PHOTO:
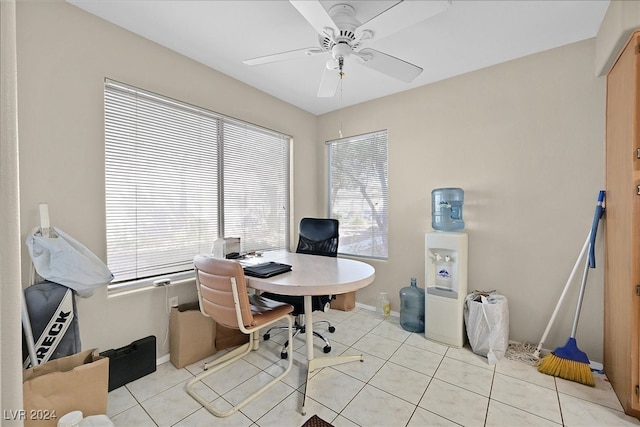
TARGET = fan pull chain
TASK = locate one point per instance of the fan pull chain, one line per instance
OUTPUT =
(340, 113)
(340, 117)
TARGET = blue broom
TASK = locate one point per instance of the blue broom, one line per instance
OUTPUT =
(569, 362)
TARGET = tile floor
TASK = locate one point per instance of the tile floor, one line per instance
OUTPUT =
(405, 380)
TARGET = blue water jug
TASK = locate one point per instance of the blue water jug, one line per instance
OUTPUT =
(446, 209)
(412, 308)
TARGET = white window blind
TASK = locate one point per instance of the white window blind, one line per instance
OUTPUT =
(178, 176)
(358, 193)
(256, 190)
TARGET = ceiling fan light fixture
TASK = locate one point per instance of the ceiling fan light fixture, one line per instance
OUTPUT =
(341, 50)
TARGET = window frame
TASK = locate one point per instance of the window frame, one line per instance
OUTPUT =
(371, 137)
(284, 184)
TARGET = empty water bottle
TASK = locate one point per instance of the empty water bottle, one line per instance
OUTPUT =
(412, 307)
(383, 307)
(446, 209)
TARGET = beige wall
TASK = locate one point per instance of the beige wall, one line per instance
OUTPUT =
(525, 140)
(621, 19)
(64, 54)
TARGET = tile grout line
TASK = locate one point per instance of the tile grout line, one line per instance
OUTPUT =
(385, 362)
(555, 382)
(486, 414)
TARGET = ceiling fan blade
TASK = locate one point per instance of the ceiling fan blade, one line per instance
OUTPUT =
(329, 83)
(402, 15)
(315, 14)
(389, 65)
(283, 56)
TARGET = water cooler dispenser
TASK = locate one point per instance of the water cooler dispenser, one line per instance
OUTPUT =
(446, 254)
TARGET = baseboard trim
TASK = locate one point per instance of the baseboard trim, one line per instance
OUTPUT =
(596, 366)
(372, 308)
(162, 359)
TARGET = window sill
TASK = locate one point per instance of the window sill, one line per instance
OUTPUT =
(145, 285)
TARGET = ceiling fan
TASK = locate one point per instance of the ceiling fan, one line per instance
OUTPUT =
(341, 35)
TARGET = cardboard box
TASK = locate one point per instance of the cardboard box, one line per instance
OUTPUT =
(226, 337)
(344, 302)
(192, 335)
(74, 383)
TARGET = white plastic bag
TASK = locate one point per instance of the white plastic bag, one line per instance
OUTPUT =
(487, 323)
(61, 259)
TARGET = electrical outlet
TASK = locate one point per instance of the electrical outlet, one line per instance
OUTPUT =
(173, 302)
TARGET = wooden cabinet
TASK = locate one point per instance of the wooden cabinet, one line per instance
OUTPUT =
(622, 227)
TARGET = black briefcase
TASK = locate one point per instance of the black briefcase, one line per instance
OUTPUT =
(131, 362)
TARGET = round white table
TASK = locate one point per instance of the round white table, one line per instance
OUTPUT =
(313, 275)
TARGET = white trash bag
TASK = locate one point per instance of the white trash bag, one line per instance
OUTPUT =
(59, 258)
(486, 316)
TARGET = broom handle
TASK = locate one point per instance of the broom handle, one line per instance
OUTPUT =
(28, 332)
(580, 296)
(536, 353)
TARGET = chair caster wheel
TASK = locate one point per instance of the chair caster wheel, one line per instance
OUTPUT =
(266, 337)
(284, 355)
(332, 329)
(327, 348)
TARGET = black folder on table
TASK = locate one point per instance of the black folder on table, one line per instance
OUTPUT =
(267, 269)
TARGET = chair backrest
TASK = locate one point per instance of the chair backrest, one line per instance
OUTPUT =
(318, 236)
(214, 278)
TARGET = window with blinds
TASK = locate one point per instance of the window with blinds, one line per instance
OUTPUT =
(358, 193)
(178, 176)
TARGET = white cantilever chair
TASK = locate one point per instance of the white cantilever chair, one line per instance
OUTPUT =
(222, 292)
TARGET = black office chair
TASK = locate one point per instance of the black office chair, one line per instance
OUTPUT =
(318, 236)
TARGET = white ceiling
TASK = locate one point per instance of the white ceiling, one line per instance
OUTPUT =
(468, 36)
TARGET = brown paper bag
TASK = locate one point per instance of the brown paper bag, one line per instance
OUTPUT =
(73, 383)
(192, 335)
